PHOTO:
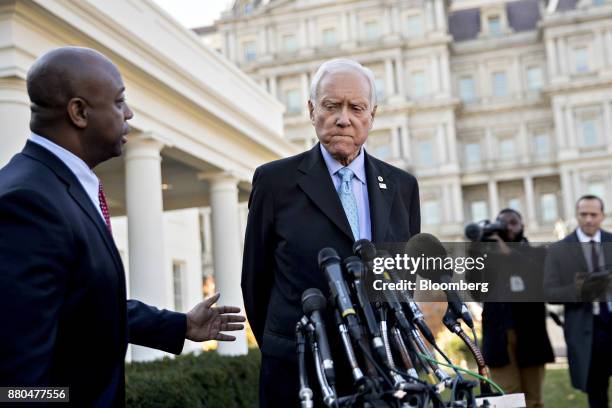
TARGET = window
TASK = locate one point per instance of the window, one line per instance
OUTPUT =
(506, 148)
(479, 210)
(371, 30)
(534, 78)
(414, 24)
(598, 2)
(472, 153)
(418, 84)
(466, 89)
(379, 83)
(289, 43)
(514, 203)
(177, 284)
(589, 133)
(499, 84)
(541, 145)
(597, 188)
(426, 157)
(329, 36)
(548, 203)
(293, 101)
(581, 62)
(431, 212)
(494, 24)
(380, 146)
(250, 50)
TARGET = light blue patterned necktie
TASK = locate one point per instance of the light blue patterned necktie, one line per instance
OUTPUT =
(349, 203)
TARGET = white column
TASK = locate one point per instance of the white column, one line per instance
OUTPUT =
(226, 251)
(442, 145)
(563, 57)
(344, 27)
(389, 82)
(435, 74)
(387, 24)
(353, 26)
(458, 202)
(395, 142)
(523, 144)
(493, 199)
(489, 146)
(303, 34)
(560, 126)
(445, 73)
(399, 72)
(440, 17)
(607, 117)
(429, 17)
(395, 20)
(568, 194)
(608, 44)
(529, 197)
(551, 56)
(273, 87)
(14, 117)
(451, 140)
(305, 91)
(570, 129)
(406, 143)
(150, 281)
(600, 52)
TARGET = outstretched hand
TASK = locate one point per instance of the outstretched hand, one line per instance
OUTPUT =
(206, 322)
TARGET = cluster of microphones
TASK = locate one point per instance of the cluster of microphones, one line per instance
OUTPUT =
(384, 342)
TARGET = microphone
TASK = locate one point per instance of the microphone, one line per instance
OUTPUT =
(354, 267)
(313, 303)
(329, 262)
(365, 250)
(427, 245)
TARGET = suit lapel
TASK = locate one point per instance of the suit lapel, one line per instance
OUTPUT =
(77, 193)
(576, 250)
(317, 184)
(606, 240)
(380, 194)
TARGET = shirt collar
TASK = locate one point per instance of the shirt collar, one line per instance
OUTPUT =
(357, 165)
(582, 237)
(79, 168)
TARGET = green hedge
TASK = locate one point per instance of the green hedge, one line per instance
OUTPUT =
(206, 380)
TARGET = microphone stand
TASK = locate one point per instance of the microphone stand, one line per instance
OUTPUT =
(305, 392)
(463, 390)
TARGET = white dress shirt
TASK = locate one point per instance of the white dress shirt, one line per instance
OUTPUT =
(87, 178)
(359, 186)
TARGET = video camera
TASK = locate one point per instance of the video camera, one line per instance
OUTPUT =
(482, 231)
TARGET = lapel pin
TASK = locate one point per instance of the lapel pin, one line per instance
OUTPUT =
(382, 185)
(380, 178)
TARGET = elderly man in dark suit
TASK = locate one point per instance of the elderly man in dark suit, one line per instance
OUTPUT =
(64, 317)
(331, 195)
(571, 266)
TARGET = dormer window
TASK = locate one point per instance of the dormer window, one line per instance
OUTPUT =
(494, 26)
(493, 21)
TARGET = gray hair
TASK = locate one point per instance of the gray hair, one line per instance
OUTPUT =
(337, 65)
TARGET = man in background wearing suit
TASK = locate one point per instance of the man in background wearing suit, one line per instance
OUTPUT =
(64, 318)
(329, 196)
(570, 268)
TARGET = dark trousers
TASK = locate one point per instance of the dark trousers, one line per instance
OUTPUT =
(600, 368)
(279, 382)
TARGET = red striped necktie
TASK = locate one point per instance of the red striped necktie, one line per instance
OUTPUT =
(104, 207)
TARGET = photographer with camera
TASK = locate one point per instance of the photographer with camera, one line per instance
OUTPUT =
(516, 346)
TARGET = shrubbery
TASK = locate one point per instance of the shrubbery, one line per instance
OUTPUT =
(207, 380)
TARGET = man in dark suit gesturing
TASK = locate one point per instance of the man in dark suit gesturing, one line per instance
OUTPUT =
(575, 274)
(64, 317)
(332, 195)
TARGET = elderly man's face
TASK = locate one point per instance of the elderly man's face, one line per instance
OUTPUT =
(343, 116)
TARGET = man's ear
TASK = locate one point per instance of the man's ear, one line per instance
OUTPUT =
(373, 114)
(311, 111)
(77, 112)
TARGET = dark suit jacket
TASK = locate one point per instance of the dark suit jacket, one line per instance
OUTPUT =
(565, 259)
(64, 316)
(294, 212)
